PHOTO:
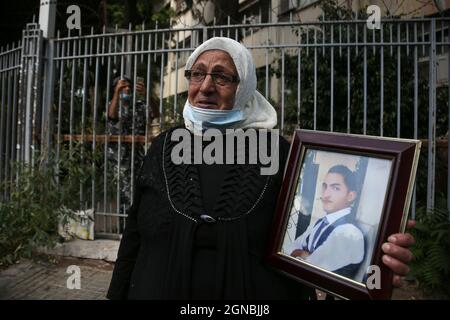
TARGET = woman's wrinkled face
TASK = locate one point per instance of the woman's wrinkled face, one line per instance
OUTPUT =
(210, 95)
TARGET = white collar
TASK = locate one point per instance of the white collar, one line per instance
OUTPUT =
(333, 217)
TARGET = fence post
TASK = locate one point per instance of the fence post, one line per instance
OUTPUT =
(448, 136)
(47, 15)
(432, 119)
(31, 96)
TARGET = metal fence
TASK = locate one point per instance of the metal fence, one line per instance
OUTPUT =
(329, 75)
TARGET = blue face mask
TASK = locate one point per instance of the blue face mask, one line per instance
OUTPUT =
(125, 97)
(210, 118)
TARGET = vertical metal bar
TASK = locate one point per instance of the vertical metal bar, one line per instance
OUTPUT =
(91, 44)
(33, 120)
(47, 114)
(115, 44)
(3, 111)
(133, 126)
(432, 119)
(79, 49)
(15, 140)
(315, 79)
(332, 81)
(72, 89)
(58, 138)
(94, 124)
(15, 107)
(323, 39)
(29, 98)
(348, 79)
(175, 98)
(373, 41)
(8, 116)
(28, 111)
(83, 114)
(282, 90)
(299, 85)
(106, 162)
(382, 47)
(448, 136)
(365, 83)
(15, 110)
(307, 41)
(68, 45)
(357, 38)
(20, 104)
(416, 109)
(4, 114)
(267, 73)
(103, 44)
(390, 32)
(142, 42)
(155, 47)
(161, 92)
(423, 38)
(407, 39)
(119, 147)
(37, 103)
(399, 81)
(149, 84)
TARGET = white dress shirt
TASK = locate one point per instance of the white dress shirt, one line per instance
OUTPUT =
(344, 245)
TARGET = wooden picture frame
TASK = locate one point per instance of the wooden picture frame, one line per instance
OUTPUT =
(363, 186)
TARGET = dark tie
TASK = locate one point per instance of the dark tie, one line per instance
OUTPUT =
(322, 225)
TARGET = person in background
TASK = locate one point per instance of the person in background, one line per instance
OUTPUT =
(123, 121)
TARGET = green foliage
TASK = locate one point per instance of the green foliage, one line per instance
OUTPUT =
(42, 195)
(163, 16)
(351, 59)
(116, 13)
(143, 11)
(431, 264)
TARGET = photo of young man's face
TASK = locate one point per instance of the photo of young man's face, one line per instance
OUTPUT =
(335, 193)
(336, 212)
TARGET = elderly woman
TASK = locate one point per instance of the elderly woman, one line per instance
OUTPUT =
(198, 231)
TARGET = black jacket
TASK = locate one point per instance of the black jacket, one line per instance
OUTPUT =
(169, 252)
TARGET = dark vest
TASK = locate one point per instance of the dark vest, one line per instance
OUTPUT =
(348, 270)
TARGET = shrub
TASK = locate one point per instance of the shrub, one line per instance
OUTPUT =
(431, 263)
(39, 197)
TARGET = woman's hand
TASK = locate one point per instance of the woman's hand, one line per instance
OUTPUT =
(397, 255)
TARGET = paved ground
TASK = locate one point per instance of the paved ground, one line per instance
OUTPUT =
(29, 280)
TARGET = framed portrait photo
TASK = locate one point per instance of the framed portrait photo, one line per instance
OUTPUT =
(342, 196)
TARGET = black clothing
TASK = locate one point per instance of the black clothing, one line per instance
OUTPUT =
(169, 252)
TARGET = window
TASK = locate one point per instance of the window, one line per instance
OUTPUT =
(256, 12)
(289, 5)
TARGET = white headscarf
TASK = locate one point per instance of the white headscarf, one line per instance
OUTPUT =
(257, 112)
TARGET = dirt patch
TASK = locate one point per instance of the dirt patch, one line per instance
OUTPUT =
(411, 291)
(97, 264)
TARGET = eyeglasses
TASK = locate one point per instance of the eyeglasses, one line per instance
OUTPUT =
(220, 78)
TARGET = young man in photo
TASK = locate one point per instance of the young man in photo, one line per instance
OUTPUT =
(334, 242)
